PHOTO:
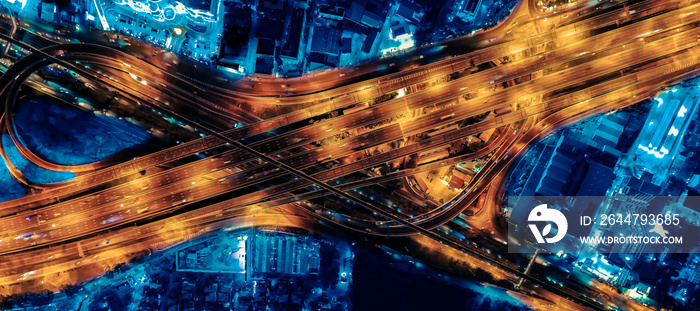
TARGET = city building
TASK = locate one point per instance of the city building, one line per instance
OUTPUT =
(331, 12)
(486, 135)
(204, 257)
(272, 9)
(459, 178)
(570, 171)
(659, 141)
(48, 11)
(264, 65)
(369, 41)
(371, 19)
(633, 186)
(290, 48)
(557, 168)
(607, 134)
(410, 12)
(691, 270)
(346, 45)
(266, 47)
(469, 10)
(269, 28)
(399, 30)
(283, 254)
(326, 40)
(369, 13)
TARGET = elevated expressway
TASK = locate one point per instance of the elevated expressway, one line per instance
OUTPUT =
(396, 81)
(430, 122)
(392, 82)
(397, 131)
(619, 51)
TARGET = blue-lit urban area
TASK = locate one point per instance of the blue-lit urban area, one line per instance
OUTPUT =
(349, 155)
